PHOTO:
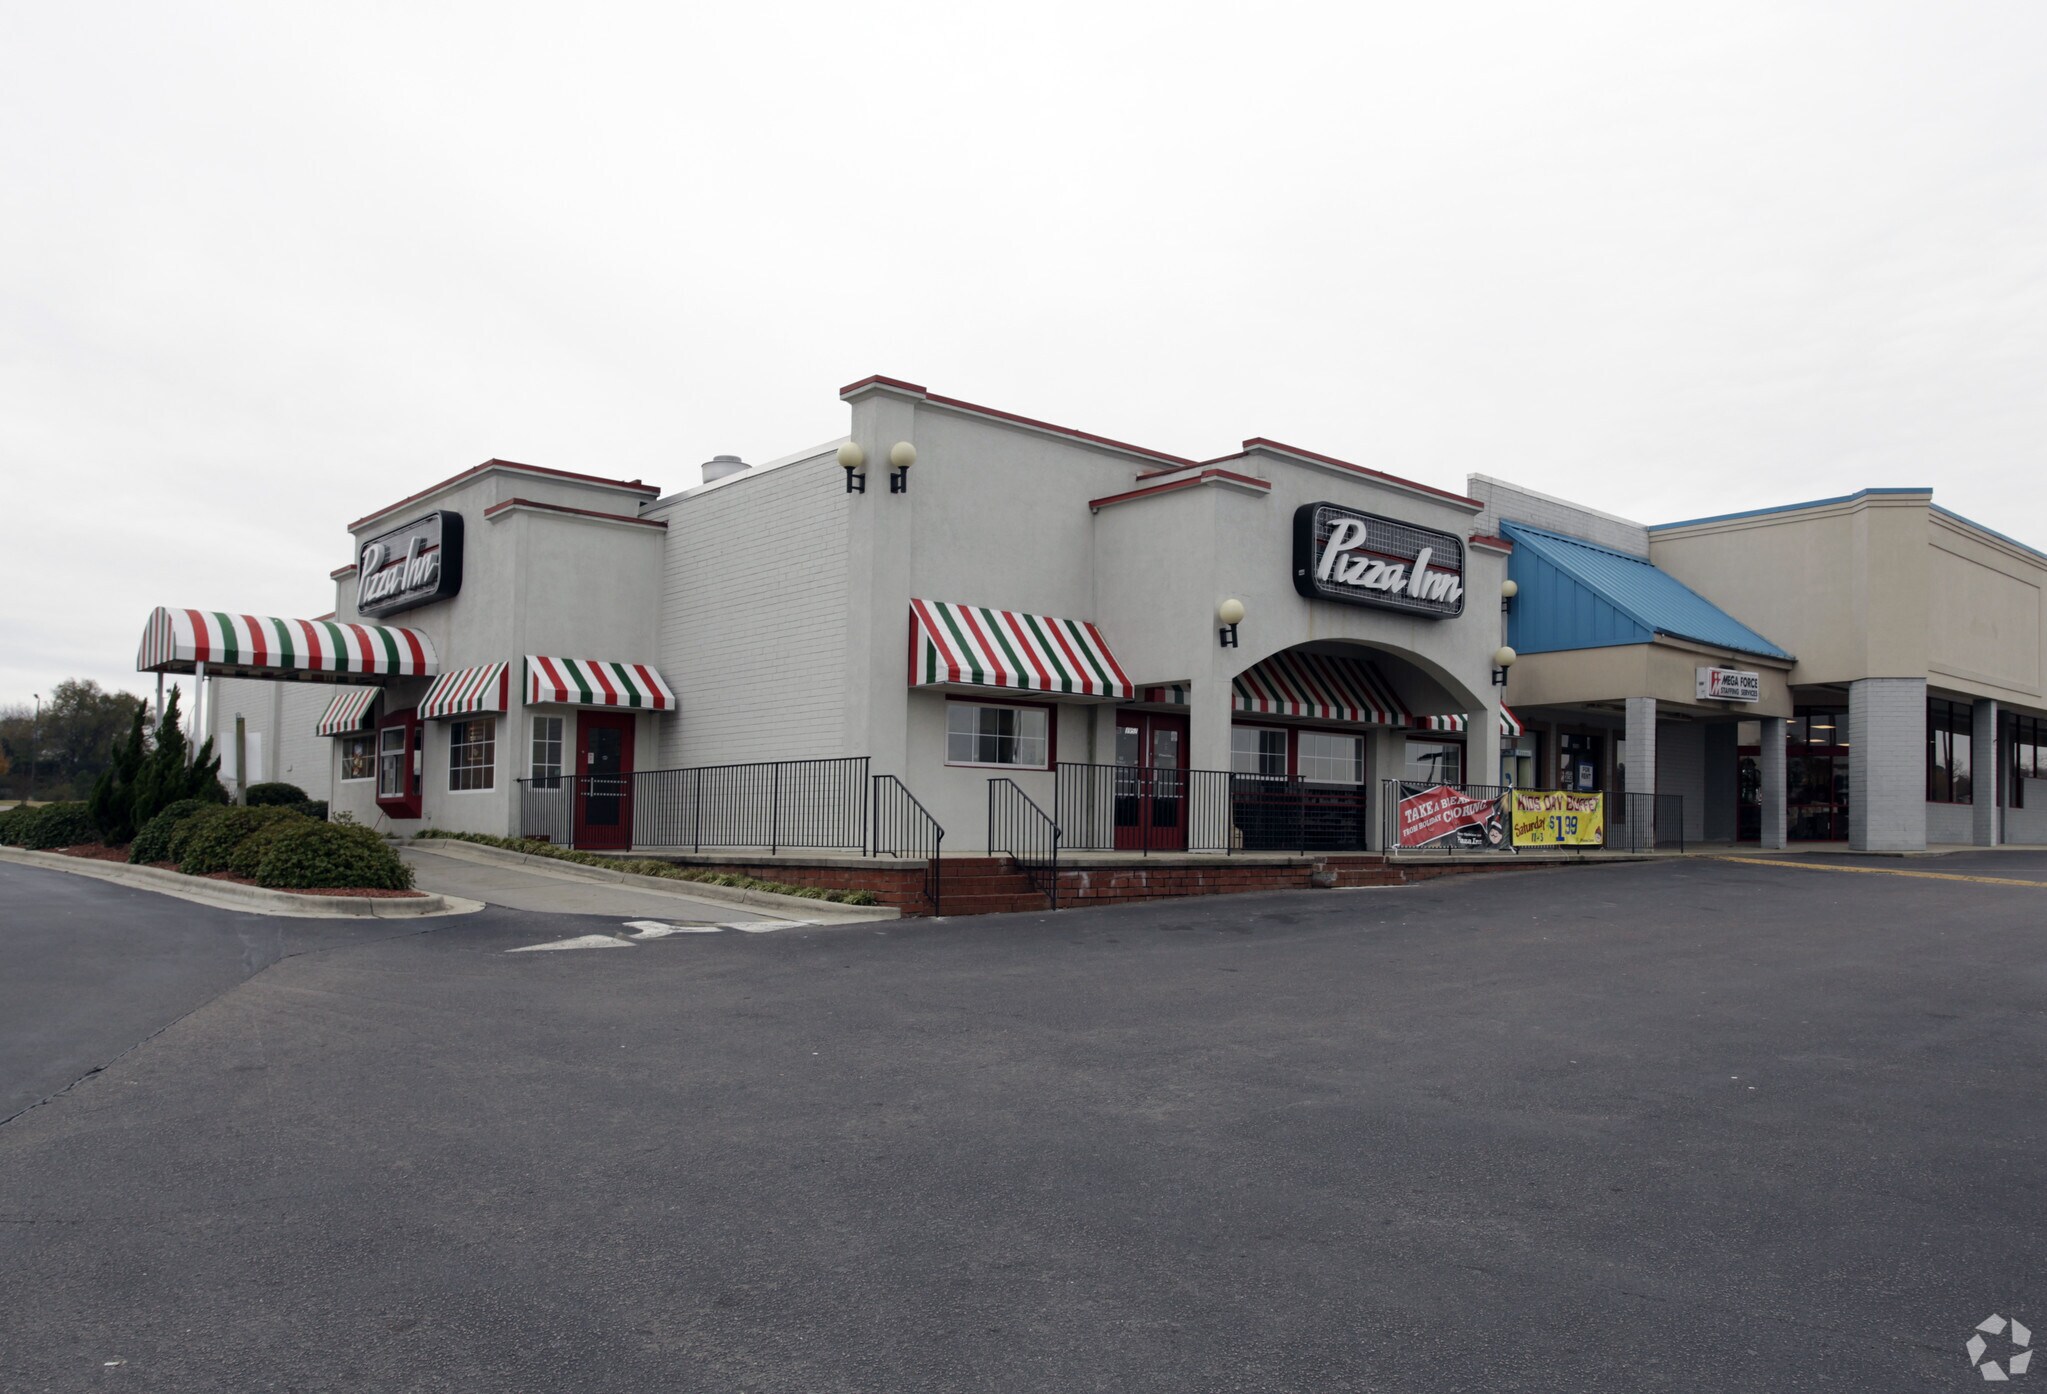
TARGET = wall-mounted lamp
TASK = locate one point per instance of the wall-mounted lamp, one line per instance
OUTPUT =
(1231, 613)
(1503, 659)
(853, 460)
(901, 456)
(1508, 590)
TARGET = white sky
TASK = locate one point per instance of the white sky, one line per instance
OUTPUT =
(266, 267)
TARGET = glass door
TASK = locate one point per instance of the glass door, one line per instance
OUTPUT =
(1151, 781)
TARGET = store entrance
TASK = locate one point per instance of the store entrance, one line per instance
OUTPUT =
(1816, 792)
(1151, 781)
(604, 784)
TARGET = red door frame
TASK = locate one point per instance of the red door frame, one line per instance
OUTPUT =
(1157, 820)
(407, 804)
(610, 793)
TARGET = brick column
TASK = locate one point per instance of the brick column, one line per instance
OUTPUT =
(1985, 773)
(1774, 768)
(1641, 772)
(1887, 764)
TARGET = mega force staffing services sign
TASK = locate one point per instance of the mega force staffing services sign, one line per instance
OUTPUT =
(1551, 818)
(1440, 812)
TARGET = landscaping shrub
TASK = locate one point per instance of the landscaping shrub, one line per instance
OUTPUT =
(274, 795)
(113, 795)
(247, 858)
(192, 825)
(212, 845)
(153, 841)
(315, 809)
(165, 777)
(11, 821)
(56, 825)
(644, 866)
(305, 854)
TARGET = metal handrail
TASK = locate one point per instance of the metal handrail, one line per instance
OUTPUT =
(769, 804)
(1026, 834)
(904, 827)
(1102, 808)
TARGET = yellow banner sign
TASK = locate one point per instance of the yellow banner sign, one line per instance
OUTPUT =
(1547, 818)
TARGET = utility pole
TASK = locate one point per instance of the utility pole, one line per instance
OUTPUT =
(35, 741)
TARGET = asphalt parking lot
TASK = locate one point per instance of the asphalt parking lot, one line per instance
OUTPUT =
(1701, 1125)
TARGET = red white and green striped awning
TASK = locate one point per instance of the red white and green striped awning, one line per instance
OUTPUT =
(467, 691)
(979, 647)
(257, 646)
(589, 682)
(1510, 724)
(1320, 687)
(1172, 694)
(349, 713)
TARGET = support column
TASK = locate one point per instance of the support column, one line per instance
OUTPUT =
(1641, 773)
(1208, 724)
(1774, 768)
(1986, 771)
(1887, 765)
(1482, 740)
(1385, 758)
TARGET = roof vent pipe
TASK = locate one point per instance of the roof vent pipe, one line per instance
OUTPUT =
(723, 467)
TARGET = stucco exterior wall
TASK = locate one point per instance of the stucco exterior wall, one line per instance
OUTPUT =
(1989, 638)
(1681, 770)
(1510, 503)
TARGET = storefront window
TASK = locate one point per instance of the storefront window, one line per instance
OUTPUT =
(1327, 758)
(1437, 762)
(472, 754)
(1578, 758)
(358, 756)
(547, 751)
(1259, 750)
(391, 783)
(2025, 740)
(987, 735)
(1948, 731)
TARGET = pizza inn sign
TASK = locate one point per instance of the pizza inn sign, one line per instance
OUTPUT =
(409, 566)
(1362, 559)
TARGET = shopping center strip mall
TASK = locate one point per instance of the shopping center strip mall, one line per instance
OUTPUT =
(1085, 667)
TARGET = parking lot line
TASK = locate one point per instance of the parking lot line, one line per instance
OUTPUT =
(1888, 871)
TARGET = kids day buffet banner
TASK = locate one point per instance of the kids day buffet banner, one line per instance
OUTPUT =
(1544, 818)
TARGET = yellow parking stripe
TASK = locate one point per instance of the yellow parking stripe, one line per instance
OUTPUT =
(1887, 871)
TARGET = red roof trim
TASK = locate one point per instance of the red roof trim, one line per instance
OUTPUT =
(631, 485)
(998, 414)
(498, 508)
(339, 572)
(1498, 544)
(328, 616)
(1191, 481)
(877, 380)
(1260, 442)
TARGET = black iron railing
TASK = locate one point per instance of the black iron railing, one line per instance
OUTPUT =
(1020, 830)
(902, 828)
(1422, 816)
(1109, 808)
(770, 804)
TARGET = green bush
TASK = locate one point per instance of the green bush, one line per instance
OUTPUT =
(192, 825)
(247, 858)
(211, 847)
(307, 855)
(274, 795)
(11, 823)
(644, 866)
(56, 825)
(153, 842)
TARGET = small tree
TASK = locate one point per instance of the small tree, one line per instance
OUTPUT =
(166, 777)
(113, 793)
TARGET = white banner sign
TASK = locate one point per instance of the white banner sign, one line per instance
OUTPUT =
(1730, 685)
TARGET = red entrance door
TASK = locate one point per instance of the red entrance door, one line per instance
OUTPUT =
(1151, 783)
(604, 783)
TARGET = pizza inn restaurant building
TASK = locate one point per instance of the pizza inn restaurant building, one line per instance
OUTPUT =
(958, 620)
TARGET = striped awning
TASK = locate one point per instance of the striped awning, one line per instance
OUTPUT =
(589, 682)
(257, 646)
(980, 647)
(1510, 724)
(467, 691)
(1172, 694)
(349, 713)
(1320, 687)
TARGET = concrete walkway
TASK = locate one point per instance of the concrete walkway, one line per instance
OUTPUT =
(536, 888)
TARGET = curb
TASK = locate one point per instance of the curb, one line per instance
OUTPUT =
(796, 906)
(252, 900)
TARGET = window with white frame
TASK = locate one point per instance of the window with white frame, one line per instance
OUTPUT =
(1259, 750)
(391, 772)
(359, 756)
(1438, 762)
(472, 753)
(976, 734)
(1327, 758)
(547, 751)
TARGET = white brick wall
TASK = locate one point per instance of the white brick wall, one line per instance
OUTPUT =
(1681, 769)
(1949, 824)
(1513, 504)
(754, 596)
(1887, 765)
(2028, 824)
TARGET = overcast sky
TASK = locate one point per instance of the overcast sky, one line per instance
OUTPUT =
(266, 267)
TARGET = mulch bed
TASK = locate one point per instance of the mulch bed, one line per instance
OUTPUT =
(92, 851)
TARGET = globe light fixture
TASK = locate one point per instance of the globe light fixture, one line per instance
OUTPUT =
(1503, 659)
(853, 460)
(1231, 613)
(901, 456)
